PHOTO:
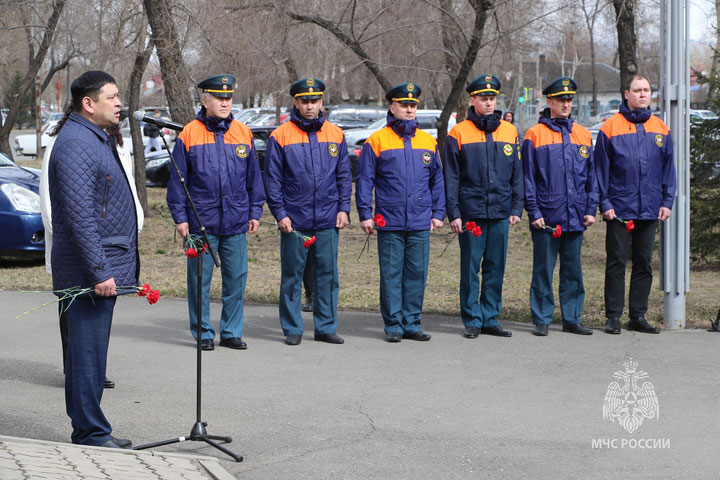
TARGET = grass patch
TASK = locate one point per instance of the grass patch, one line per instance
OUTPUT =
(163, 266)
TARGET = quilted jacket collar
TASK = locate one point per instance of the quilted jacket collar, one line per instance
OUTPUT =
(76, 117)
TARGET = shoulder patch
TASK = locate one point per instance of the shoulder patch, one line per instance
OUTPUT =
(584, 151)
(426, 158)
(508, 149)
(241, 151)
(659, 140)
(333, 149)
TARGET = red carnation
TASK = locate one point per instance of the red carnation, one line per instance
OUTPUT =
(191, 252)
(142, 291)
(153, 296)
(557, 231)
(629, 226)
(477, 231)
(379, 220)
(470, 226)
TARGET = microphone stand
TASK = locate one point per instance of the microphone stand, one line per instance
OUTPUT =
(198, 433)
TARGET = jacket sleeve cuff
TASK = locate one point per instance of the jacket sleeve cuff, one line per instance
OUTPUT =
(365, 214)
(606, 205)
(344, 206)
(439, 215)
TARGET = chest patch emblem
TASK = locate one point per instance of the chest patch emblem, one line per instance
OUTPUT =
(584, 152)
(659, 140)
(241, 151)
(426, 158)
(333, 149)
(508, 149)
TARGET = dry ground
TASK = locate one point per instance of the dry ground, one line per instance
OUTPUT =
(163, 266)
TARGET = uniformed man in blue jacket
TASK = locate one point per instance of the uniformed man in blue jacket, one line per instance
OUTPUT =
(483, 185)
(561, 200)
(400, 163)
(309, 187)
(216, 156)
(636, 179)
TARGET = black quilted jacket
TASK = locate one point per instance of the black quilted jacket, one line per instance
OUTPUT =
(93, 214)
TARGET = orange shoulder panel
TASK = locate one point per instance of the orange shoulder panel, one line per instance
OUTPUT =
(238, 133)
(540, 135)
(384, 139)
(423, 140)
(330, 133)
(617, 125)
(580, 135)
(288, 134)
(195, 133)
(506, 133)
(465, 133)
(655, 125)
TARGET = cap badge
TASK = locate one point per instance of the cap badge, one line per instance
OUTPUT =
(565, 82)
(224, 87)
(409, 95)
(224, 79)
(487, 85)
(310, 82)
(410, 87)
(310, 90)
(488, 78)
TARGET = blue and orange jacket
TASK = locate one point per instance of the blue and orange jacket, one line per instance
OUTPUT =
(307, 172)
(402, 165)
(634, 165)
(216, 157)
(560, 184)
(483, 173)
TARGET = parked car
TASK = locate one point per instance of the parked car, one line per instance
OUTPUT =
(269, 120)
(168, 134)
(700, 116)
(21, 224)
(157, 164)
(354, 116)
(427, 120)
(26, 144)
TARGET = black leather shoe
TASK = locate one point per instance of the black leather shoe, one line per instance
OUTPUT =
(112, 444)
(541, 330)
(329, 338)
(122, 442)
(497, 331)
(108, 383)
(419, 336)
(308, 305)
(612, 325)
(394, 337)
(471, 332)
(207, 344)
(576, 328)
(233, 342)
(641, 325)
(293, 339)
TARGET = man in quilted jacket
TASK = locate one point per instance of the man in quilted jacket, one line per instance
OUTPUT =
(95, 246)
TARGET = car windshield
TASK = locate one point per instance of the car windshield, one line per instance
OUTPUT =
(5, 161)
(706, 114)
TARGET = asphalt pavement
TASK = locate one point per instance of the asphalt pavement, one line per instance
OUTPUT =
(450, 408)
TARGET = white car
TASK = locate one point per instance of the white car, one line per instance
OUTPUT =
(27, 144)
(427, 120)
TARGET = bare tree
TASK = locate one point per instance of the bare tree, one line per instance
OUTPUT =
(141, 61)
(591, 10)
(627, 40)
(35, 62)
(174, 73)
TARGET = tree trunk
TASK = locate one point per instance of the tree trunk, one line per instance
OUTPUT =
(29, 79)
(627, 40)
(141, 61)
(481, 8)
(174, 74)
(712, 89)
(593, 69)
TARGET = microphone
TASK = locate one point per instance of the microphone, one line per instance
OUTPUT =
(141, 116)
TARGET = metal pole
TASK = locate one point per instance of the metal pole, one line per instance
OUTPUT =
(675, 232)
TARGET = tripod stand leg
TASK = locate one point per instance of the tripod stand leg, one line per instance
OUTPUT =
(236, 457)
(161, 443)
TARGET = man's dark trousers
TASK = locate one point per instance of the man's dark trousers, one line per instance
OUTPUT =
(89, 320)
(617, 244)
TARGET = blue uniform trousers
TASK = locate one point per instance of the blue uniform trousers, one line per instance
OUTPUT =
(488, 251)
(88, 320)
(571, 289)
(232, 250)
(403, 258)
(323, 255)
